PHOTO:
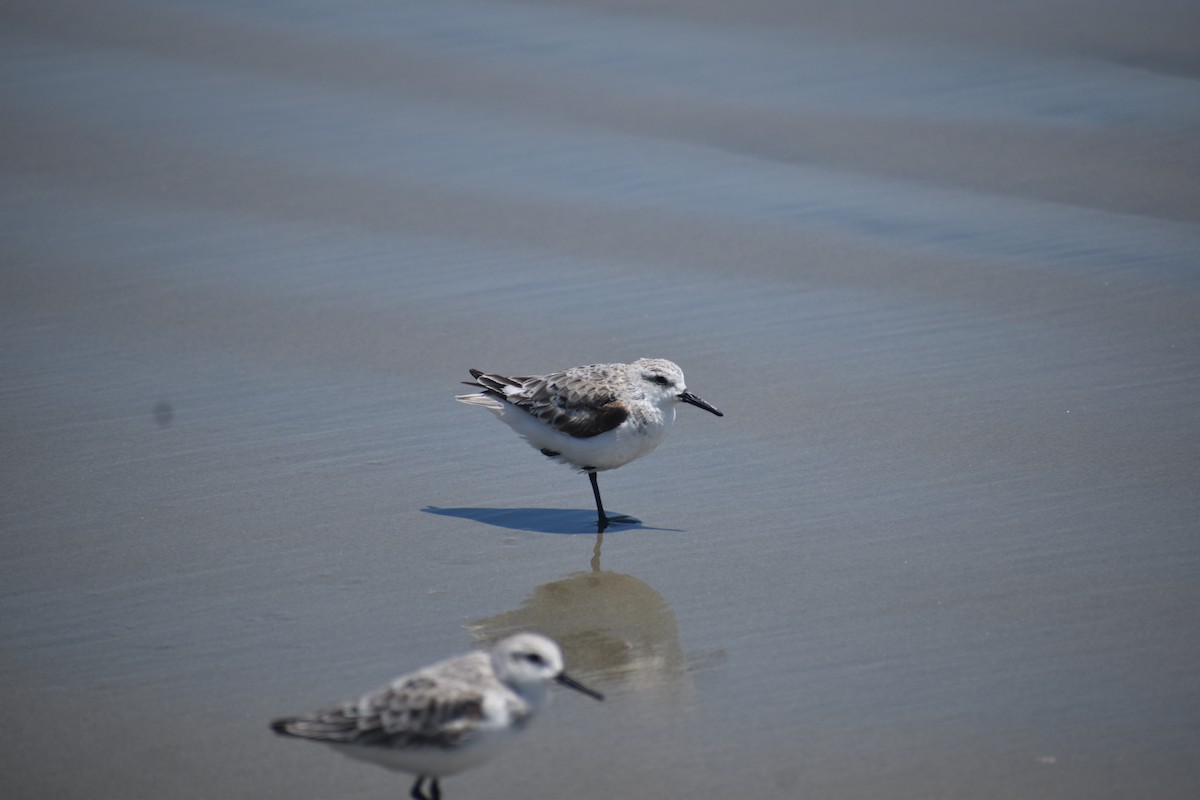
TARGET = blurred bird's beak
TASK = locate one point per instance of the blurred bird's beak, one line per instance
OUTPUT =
(568, 681)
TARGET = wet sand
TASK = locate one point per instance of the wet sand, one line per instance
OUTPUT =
(940, 269)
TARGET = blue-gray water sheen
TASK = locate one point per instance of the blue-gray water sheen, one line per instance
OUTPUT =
(937, 262)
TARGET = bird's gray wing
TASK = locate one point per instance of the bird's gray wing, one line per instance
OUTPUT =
(572, 401)
(418, 711)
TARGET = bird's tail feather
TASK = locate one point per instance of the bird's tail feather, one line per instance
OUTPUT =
(488, 401)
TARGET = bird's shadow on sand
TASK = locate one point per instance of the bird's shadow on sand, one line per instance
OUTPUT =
(540, 520)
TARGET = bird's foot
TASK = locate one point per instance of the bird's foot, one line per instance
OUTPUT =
(616, 519)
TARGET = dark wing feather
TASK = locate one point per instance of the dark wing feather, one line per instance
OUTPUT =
(493, 384)
(408, 714)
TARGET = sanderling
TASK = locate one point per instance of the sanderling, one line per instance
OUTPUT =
(445, 718)
(597, 417)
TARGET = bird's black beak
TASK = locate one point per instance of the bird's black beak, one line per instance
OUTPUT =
(567, 680)
(688, 397)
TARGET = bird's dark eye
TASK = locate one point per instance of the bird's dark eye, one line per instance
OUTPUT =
(661, 380)
(534, 658)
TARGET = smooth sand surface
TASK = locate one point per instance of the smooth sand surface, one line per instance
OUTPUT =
(939, 267)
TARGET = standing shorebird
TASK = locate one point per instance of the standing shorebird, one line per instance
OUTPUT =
(595, 418)
(445, 718)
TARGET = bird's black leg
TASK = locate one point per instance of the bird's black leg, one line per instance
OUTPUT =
(435, 789)
(602, 521)
(418, 794)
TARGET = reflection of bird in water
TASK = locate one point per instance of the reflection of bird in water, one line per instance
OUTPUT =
(445, 718)
(596, 418)
(613, 627)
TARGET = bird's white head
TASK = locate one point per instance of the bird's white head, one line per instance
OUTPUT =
(527, 662)
(663, 383)
(526, 659)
